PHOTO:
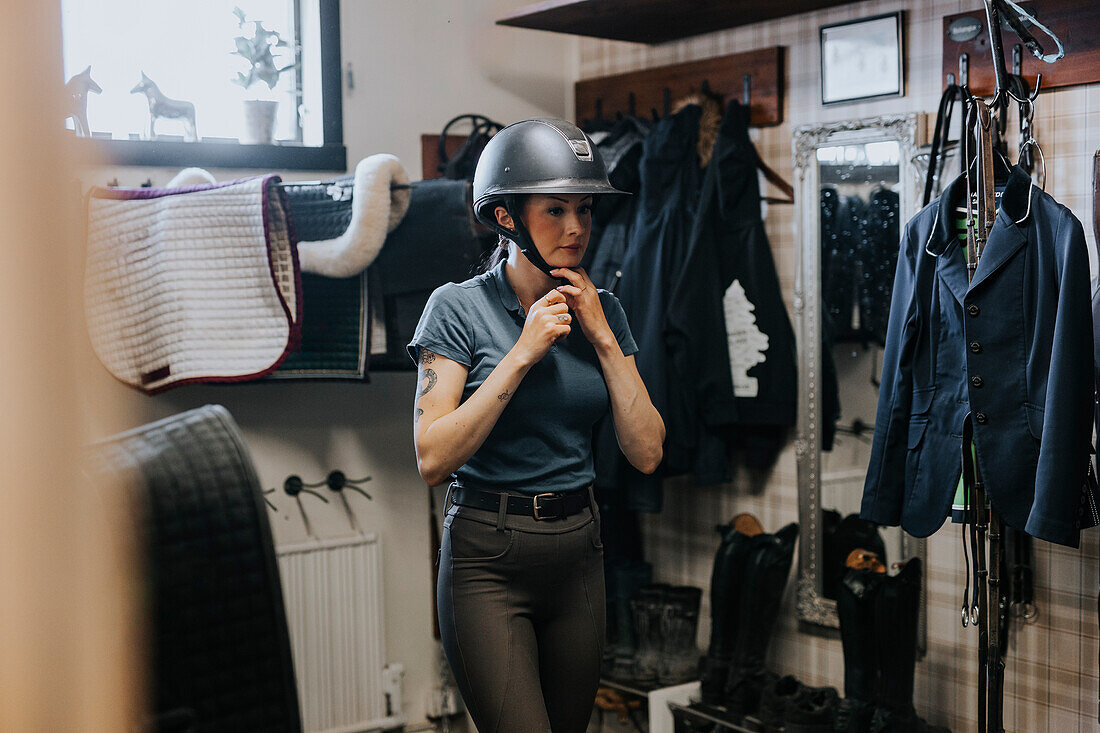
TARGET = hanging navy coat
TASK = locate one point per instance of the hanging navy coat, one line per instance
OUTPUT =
(669, 192)
(1013, 347)
(729, 336)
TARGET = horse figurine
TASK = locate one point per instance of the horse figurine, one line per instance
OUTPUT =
(79, 87)
(162, 106)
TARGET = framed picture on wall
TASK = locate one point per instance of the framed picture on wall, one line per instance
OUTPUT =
(862, 59)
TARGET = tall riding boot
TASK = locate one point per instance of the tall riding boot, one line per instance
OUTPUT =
(680, 656)
(624, 577)
(896, 615)
(855, 607)
(726, 588)
(648, 605)
(766, 571)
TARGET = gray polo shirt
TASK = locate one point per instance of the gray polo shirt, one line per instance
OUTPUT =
(543, 439)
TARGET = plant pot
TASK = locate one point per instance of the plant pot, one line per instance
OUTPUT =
(259, 122)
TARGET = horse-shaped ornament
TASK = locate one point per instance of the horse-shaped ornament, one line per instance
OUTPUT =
(78, 88)
(162, 106)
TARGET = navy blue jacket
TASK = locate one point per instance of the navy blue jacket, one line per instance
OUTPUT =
(1013, 347)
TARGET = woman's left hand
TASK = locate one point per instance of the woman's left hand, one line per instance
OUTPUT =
(582, 298)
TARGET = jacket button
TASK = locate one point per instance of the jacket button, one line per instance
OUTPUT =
(975, 347)
(981, 418)
(976, 382)
(973, 309)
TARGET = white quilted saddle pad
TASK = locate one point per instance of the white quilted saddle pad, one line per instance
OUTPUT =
(191, 284)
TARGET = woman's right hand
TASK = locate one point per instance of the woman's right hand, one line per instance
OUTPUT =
(547, 323)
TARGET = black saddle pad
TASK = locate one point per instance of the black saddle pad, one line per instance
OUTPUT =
(221, 659)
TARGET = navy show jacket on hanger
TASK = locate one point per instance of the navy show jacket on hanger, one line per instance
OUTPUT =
(1014, 348)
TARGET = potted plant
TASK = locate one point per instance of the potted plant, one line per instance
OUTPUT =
(259, 114)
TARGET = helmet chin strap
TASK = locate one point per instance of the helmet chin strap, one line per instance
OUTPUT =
(523, 240)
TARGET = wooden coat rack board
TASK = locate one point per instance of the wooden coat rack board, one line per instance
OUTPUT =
(1075, 22)
(640, 92)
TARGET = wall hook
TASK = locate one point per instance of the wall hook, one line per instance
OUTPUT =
(668, 101)
(746, 90)
(630, 104)
(293, 486)
(337, 481)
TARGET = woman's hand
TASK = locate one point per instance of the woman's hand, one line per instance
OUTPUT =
(547, 323)
(582, 298)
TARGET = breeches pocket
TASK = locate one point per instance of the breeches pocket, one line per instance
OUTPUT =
(469, 541)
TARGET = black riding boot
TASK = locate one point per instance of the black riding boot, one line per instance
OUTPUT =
(727, 586)
(896, 614)
(855, 607)
(766, 571)
(624, 577)
(679, 655)
(648, 605)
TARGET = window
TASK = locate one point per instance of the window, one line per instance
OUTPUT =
(179, 59)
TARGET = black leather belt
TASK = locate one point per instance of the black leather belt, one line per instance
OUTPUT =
(539, 506)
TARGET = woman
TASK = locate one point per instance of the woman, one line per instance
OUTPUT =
(515, 366)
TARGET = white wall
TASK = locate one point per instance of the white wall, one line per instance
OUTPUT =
(415, 65)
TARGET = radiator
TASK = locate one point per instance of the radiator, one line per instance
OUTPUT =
(333, 595)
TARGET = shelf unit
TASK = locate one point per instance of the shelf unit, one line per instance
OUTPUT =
(725, 724)
(658, 700)
(654, 21)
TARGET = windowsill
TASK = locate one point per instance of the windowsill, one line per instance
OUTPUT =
(162, 153)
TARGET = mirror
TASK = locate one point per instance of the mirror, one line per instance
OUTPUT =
(858, 186)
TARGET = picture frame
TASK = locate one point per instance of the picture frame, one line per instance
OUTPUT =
(863, 59)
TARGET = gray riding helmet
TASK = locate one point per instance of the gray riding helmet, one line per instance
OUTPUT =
(541, 155)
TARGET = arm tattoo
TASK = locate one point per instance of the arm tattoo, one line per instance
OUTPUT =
(416, 418)
(504, 395)
(430, 375)
(426, 357)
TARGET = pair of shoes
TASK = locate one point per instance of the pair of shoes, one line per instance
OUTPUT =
(666, 619)
(747, 585)
(878, 632)
(791, 707)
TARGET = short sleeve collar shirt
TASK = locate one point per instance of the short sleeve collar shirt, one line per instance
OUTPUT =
(543, 438)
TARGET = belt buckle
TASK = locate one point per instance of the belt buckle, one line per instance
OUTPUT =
(535, 505)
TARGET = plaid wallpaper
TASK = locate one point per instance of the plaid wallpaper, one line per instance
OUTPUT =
(1051, 678)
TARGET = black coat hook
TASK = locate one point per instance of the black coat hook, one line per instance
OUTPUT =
(630, 104)
(668, 101)
(337, 481)
(704, 88)
(293, 486)
(599, 109)
(746, 90)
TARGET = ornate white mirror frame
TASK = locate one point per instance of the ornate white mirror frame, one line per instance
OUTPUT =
(813, 606)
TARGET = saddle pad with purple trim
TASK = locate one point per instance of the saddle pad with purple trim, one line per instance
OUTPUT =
(192, 284)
